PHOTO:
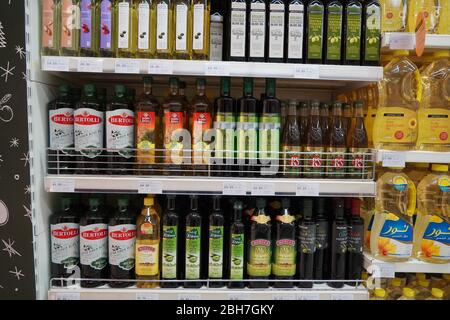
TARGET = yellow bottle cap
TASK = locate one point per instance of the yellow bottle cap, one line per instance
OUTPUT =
(439, 167)
(149, 201)
(396, 282)
(398, 53)
(419, 165)
(441, 54)
(409, 293)
(437, 293)
(364, 276)
(380, 292)
(421, 276)
(424, 283)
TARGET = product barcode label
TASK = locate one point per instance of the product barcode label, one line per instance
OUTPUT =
(394, 159)
(307, 72)
(307, 190)
(68, 296)
(234, 188)
(90, 65)
(55, 64)
(263, 189)
(189, 296)
(147, 296)
(62, 186)
(127, 66)
(217, 69)
(382, 270)
(160, 67)
(149, 187)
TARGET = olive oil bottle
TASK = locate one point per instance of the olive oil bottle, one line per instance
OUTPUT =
(237, 32)
(335, 29)
(276, 13)
(126, 22)
(143, 38)
(182, 27)
(315, 17)
(50, 27)
(70, 27)
(170, 243)
(372, 34)
(162, 13)
(295, 31)
(106, 28)
(257, 31)
(237, 245)
(201, 19)
(89, 22)
(193, 254)
(216, 245)
(353, 32)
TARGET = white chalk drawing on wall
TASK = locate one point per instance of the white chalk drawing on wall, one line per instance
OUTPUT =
(9, 248)
(2, 37)
(6, 112)
(7, 71)
(4, 213)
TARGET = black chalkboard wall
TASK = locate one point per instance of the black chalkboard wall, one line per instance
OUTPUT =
(16, 240)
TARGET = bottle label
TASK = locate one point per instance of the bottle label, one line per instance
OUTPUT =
(315, 31)
(216, 41)
(395, 125)
(173, 121)
(105, 24)
(307, 238)
(193, 245)
(162, 26)
(296, 24)
(395, 238)
(225, 126)
(201, 122)
(238, 26)
(181, 27)
(259, 258)
(355, 238)
(313, 166)
(269, 137)
(292, 160)
(444, 184)
(394, 16)
(145, 134)
(237, 256)
(88, 131)
(48, 23)
(321, 235)
(369, 230)
(123, 33)
(247, 136)
(436, 239)
(359, 166)
(86, 24)
(340, 237)
(70, 22)
(334, 32)
(120, 131)
(61, 128)
(257, 30)
(65, 244)
(144, 26)
(94, 245)
(169, 252)
(147, 258)
(147, 229)
(373, 33)
(215, 264)
(285, 258)
(336, 163)
(198, 36)
(434, 126)
(276, 33)
(121, 242)
(353, 41)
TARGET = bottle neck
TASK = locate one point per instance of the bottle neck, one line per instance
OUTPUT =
(200, 90)
(359, 113)
(174, 90)
(148, 89)
(237, 215)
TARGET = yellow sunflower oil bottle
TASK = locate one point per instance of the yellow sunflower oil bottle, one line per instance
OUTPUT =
(162, 12)
(434, 111)
(432, 229)
(395, 126)
(368, 205)
(391, 237)
(126, 27)
(422, 289)
(444, 21)
(394, 13)
(142, 37)
(417, 171)
(408, 294)
(431, 10)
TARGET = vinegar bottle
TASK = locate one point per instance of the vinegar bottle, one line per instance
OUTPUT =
(358, 164)
(336, 163)
(355, 230)
(306, 244)
(313, 165)
(291, 143)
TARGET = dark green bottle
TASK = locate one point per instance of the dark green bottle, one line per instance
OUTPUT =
(216, 244)
(170, 245)
(335, 30)
(306, 244)
(193, 246)
(372, 33)
(315, 17)
(321, 255)
(237, 244)
(353, 32)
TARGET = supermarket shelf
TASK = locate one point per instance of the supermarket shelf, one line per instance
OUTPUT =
(412, 156)
(384, 269)
(405, 40)
(319, 292)
(212, 68)
(209, 186)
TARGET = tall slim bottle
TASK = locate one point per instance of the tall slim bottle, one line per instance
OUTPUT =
(257, 30)
(357, 143)
(106, 29)
(50, 38)
(321, 256)
(143, 38)
(237, 242)
(313, 165)
(338, 245)
(217, 33)
(89, 23)
(182, 26)
(295, 31)
(347, 116)
(126, 20)
(306, 244)
(291, 143)
(335, 31)
(170, 245)
(315, 18)
(276, 13)
(193, 254)
(372, 33)
(201, 19)
(216, 257)
(237, 30)
(70, 27)
(325, 122)
(336, 163)
(162, 12)
(355, 229)
(303, 120)
(353, 32)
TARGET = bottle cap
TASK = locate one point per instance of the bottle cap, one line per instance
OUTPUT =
(248, 85)
(89, 89)
(120, 90)
(320, 206)
(398, 53)
(173, 81)
(286, 203)
(356, 207)
(66, 201)
(380, 292)
(437, 293)
(396, 282)
(408, 292)
(324, 105)
(441, 54)
(260, 203)
(225, 84)
(270, 86)
(182, 84)
(148, 80)
(123, 202)
(421, 276)
(307, 208)
(315, 103)
(419, 165)
(238, 205)
(94, 202)
(201, 82)
(424, 283)
(339, 208)
(346, 106)
(64, 89)
(439, 167)
(293, 103)
(149, 201)
(359, 104)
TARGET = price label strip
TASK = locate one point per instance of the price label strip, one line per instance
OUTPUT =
(68, 296)
(308, 296)
(217, 69)
(147, 296)
(284, 296)
(90, 65)
(149, 187)
(239, 296)
(234, 188)
(263, 189)
(160, 67)
(128, 66)
(342, 296)
(382, 270)
(55, 64)
(394, 159)
(307, 190)
(307, 72)
(189, 296)
(64, 186)
(402, 41)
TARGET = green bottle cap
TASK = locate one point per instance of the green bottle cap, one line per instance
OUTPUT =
(148, 80)
(337, 104)
(120, 90)
(286, 203)
(64, 89)
(238, 205)
(359, 104)
(173, 81)
(93, 202)
(346, 105)
(248, 86)
(270, 87)
(89, 89)
(260, 203)
(307, 208)
(315, 103)
(66, 202)
(123, 202)
(225, 85)
(201, 82)
(304, 104)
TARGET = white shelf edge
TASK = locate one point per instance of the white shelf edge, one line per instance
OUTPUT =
(432, 41)
(418, 156)
(223, 68)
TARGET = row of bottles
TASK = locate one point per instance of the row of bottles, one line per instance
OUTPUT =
(401, 16)
(192, 240)
(126, 28)
(411, 215)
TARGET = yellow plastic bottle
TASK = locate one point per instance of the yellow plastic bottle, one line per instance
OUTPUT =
(422, 289)
(432, 229)
(394, 13)
(386, 58)
(379, 294)
(394, 290)
(444, 22)
(391, 237)
(431, 10)
(416, 171)
(395, 126)
(436, 294)
(434, 111)
(408, 294)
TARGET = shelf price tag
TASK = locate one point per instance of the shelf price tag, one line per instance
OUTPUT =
(68, 296)
(149, 187)
(284, 296)
(307, 190)
(239, 296)
(90, 65)
(64, 186)
(263, 189)
(304, 71)
(342, 296)
(160, 67)
(308, 296)
(127, 66)
(234, 188)
(217, 69)
(189, 296)
(394, 159)
(382, 270)
(147, 296)
(402, 41)
(55, 64)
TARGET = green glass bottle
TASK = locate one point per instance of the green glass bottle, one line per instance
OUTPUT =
(315, 17)
(335, 29)
(372, 33)
(353, 32)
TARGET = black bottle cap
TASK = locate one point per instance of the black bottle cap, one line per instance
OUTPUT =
(66, 202)
(171, 202)
(238, 205)
(216, 203)
(260, 203)
(286, 203)
(93, 202)
(320, 206)
(307, 208)
(339, 208)
(123, 202)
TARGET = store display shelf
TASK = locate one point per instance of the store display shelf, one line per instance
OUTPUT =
(400, 158)
(318, 292)
(384, 269)
(211, 68)
(209, 186)
(407, 40)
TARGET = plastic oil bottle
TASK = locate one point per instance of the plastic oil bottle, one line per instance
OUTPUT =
(408, 294)
(431, 9)
(395, 126)
(394, 289)
(394, 13)
(422, 289)
(431, 233)
(434, 112)
(391, 237)
(444, 23)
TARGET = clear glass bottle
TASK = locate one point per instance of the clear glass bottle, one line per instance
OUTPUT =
(89, 23)
(183, 33)
(126, 22)
(106, 29)
(70, 27)
(50, 19)
(201, 15)
(143, 37)
(162, 13)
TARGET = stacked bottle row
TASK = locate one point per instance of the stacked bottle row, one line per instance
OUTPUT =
(401, 16)
(417, 286)
(246, 137)
(411, 215)
(193, 241)
(410, 108)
